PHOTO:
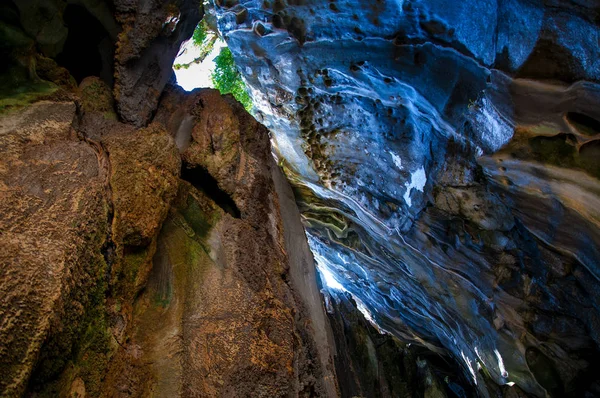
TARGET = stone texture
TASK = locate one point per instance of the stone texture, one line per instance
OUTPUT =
(53, 226)
(232, 326)
(444, 155)
(152, 32)
(435, 147)
(119, 278)
(139, 282)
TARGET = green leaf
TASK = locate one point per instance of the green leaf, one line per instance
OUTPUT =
(227, 79)
(200, 33)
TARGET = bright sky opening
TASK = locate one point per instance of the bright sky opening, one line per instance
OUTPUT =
(197, 75)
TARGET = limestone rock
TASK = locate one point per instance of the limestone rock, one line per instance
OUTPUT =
(152, 32)
(231, 323)
(445, 159)
(54, 224)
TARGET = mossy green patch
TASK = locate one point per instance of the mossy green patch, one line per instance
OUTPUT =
(557, 150)
(25, 93)
(134, 258)
(83, 347)
(97, 96)
(182, 241)
(199, 221)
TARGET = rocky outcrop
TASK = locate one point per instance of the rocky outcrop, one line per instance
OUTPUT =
(54, 226)
(445, 159)
(152, 32)
(231, 324)
(375, 364)
(80, 221)
(145, 248)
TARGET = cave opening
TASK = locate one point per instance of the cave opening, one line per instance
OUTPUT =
(201, 179)
(205, 61)
(195, 63)
(88, 50)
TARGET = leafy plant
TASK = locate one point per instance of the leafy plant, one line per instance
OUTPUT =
(200, 33)
(204, 38)
(225, 76)
(227, 79)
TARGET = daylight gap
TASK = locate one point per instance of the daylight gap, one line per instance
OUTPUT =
(206, 61)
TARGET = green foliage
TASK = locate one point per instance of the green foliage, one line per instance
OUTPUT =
(227, 79)
(204, 38)
(200, 33)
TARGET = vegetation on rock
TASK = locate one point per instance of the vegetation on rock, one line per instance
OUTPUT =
(225, 77)
(204, 38)
(228, 80)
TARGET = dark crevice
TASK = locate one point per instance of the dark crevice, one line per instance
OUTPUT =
(88, 50)
(583, 123)
(201, 179)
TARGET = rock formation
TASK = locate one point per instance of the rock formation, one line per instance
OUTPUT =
(444, 159)
(445, 156)
(145, 245)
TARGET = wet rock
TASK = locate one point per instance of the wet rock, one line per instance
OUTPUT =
(435, 148)
(374, 364)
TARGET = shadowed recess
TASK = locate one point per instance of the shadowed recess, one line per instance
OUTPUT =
(583, 123)
(88, 50)
(201, 179)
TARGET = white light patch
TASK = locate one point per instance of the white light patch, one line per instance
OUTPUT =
(494, 130)
(397, 160)
(367, 314)
(197, 75)
(328, 277)
(417, 181)
(468, 362)
(503, 371)
(363, 309)
(330, 280)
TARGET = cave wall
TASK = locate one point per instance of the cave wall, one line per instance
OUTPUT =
(146, 251)
(444, 158)
(445, 161)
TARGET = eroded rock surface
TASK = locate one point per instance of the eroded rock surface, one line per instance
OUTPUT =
(445, 154)
(53, 227)
(152, 32)
(144, 246)
(231, 325)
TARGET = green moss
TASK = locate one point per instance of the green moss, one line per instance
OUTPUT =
(126, 283)
(560, 152)
(24, 94)
(97, 96)
(19, 84)
(557, 150)
(198, 220)
(83, 346)
(96, 346)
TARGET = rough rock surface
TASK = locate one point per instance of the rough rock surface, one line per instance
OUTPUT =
(390, 117)
(220, 273)
(152, 32)
(53, 226)
(144, 247)
(79, 226)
